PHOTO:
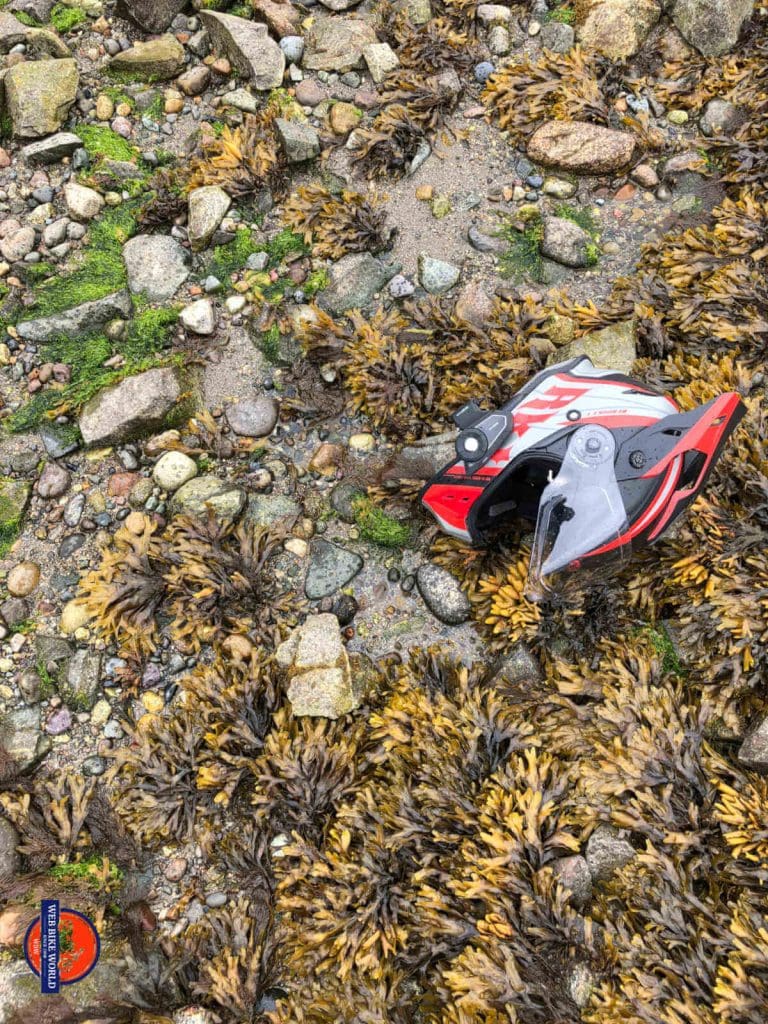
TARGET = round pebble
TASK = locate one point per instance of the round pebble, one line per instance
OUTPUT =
(173, 469)
(23, 579)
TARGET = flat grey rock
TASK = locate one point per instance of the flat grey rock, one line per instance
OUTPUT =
(355, 279)
(330, 568)
(133, 407)
(79, 319)
(52, 149)
(442, 594)
(156, 265)
(248, 46)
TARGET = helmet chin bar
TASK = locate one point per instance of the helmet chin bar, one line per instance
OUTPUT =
(580, 510)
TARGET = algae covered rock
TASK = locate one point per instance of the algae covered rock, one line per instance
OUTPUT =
(617, 28)
(14, 495)
(613, 347)
(151, 15)
(712, 26)
(79, 319)
(38, 95)
(224, 499)
(154, 60)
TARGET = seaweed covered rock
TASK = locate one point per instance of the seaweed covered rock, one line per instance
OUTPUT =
(79, 319)
(581, 147)
(155, 59)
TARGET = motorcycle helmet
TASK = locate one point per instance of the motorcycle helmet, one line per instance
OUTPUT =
(600, 462)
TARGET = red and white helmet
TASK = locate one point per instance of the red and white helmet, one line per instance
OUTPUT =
(602, 463)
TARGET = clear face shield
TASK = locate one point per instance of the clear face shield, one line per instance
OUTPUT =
(580, 510)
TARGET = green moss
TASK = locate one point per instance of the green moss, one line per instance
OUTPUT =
(156, 109)
(27, 19)
(141, 347)
(229, 258)
(315, 283)
(564, 14)
(284, 243)
(118, 95)
(64, 18)
(523, 255)
(101, 143)
(593, 254)
(36, 272)
(269, 343)
(662, 644)
(580, 216)
(47, 685)
(379, 528)
(6, 126)
(101, 270)
(89, 870)
(14, 495)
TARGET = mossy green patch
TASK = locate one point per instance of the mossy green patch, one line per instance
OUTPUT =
(662, 644)
(592, 251)
(100, 272)
(283, 244)
(118, 95)
(27, 19)
(229, 258)
(269, 343)
(523, 256)
(101, 143)
(142, 346)
(578, 215)
(64, 19)
(379, 528)
(564, 14)
(156, 109)
(14, 495)
(315, 282)
(90, 869)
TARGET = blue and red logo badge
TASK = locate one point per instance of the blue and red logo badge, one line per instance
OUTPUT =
(61, 946)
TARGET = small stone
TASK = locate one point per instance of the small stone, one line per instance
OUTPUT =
(442, 594)
(235, 303)
(241, 99)
(331, 567)
(15, 920)
(310, 93)
(400, 287)
(173, 469)
(195, 81)
(607, 851)
(492, 14)
(336, 44)
(499, 41)
(18, 244)
(156, 266)
(248, 46)
(153, 702)
(293, 48)
(175, 869)
(534, 27)
(199, 317)
(138, 404)
(483, 71)
(753, 752)
(573, 873)
(355, 279)
(300, 142)
(207, 207)
(558, 188)
(59, 722)
(565, 242)
(105, 108)
(677, 117)
(255, 418)
(23, 579)
(580, 985)
(100, 712)
(156, 59)
(557, 37)
(10, 861)
(720, 117)
(21, 738)
(614, 347)
(474, 304)
(645, 176)
(381, 59)
(38, 95)
(581, 147)
(362, 442)
(73, 617)
(344, 117)
(196, 496)
(216, 899)
(483, 242)
(437, 276)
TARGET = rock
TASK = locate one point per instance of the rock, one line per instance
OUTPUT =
(21, 736)
(520, 665)
(14, 611)
(244, 100)
(73, 617)
(607, 851)
(310, 93)
(330, 568)
(300, 141)
(645, 176)
(580, 985)
(154, 60)
(80, 687)
(344, 498)
(78, 320)
(612, 348)
(23, 579)
(437, 276)
(573, 873)
(442, 594)
(268, 509)
(196, 496)
(293, 48)
(59, 721)
(565, 242)
(581, 147)
(616, 28)
(173, 469)
(483, 242)
(400, 287)
(254, 418)
(156, 266)
(38, 95)
(381, 59)
(151, 15)
(557, 37)
(135, 406)
(199, 317)
(753, 752)
(354, 280)
(52, 149)
(474, 304)
(248, 46)
(207, 207)
(712, 26)
(194, 81)
(720, 118)
(492, 14)
(37, 42)
(53, 481)
(499, 41)
(14, 495)
(336, 44)
(53, 654)
(483, 71)
(558, 187)
(318, 666)
(40, 10)
(677, 117)
(418, 12)
(10, 861)
(17, 244)
(344, 117)
(82, 203)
